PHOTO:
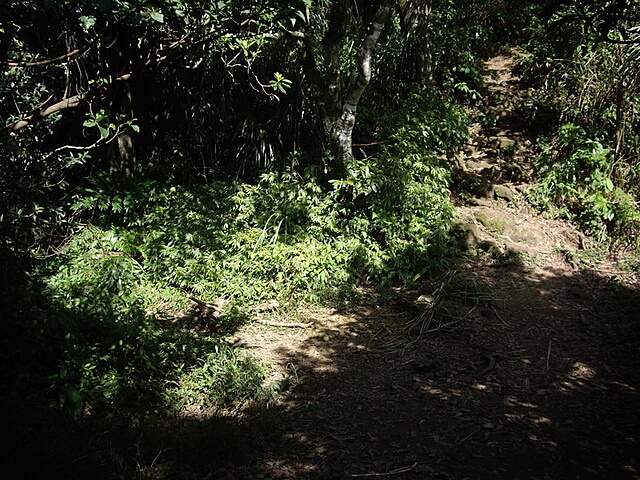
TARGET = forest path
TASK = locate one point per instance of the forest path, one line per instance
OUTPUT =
(527, 368)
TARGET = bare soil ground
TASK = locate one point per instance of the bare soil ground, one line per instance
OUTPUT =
(527, 367)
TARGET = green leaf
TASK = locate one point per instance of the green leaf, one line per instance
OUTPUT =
(88, 21)
(104, 132)
(608, 184)
(157, 16)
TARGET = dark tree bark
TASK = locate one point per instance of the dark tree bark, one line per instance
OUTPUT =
(418, 61)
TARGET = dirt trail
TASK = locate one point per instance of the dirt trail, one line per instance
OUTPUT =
(530, 369)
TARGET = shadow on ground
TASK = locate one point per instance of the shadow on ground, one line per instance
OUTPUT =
(541, 381)
(532, 373)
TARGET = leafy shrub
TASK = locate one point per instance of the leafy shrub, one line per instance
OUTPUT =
(578, 176)
(289, 237)
(587, 89)
(285, 237)
(404, 228)
(427, 124)
(116, 356)
(223, 378)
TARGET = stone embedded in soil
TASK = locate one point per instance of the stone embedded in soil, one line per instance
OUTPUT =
(504, 192)
(493, 221)
(508, 225)
(516, 248)
(480, 202)
(500, 142)
(469, 233)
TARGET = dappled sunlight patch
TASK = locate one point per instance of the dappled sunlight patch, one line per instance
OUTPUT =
(511, 401)
(582, 371)
(543, 441)
(623, 386)
(432, 390)
(632, 470)
(543, 421)
(441, 394)
(580, 375)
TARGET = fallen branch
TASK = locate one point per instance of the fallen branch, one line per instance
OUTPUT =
(285, 324)
(215, 307)
(548, 354)
(267, 306)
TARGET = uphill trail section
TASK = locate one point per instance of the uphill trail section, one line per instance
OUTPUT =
(521, 363)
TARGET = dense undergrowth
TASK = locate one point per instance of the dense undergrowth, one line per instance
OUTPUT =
(224, 203)
(583, 108)
(286, 237)
(110, 338)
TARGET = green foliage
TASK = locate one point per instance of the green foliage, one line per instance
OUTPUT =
(428, 123)
(407, 215)
(285, 237)
(595, 87)
(587, 90)
(115, 199)
(117, 354)
(253, 248)
(578, 184)
(222, 378)
(272, 239)
(35, 200)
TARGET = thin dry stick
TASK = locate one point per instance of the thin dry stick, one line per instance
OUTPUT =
(285, 324)
(467, 437)
(453, 322)
(395, 471)
(548, 354)
(498, 315)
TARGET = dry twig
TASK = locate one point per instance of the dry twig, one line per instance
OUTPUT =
(395, 471)
(285, 324)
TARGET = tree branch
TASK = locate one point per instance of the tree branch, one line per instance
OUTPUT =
(99, 142)
(39, 114)
(340, 16)
(365, 54)
(44, 62)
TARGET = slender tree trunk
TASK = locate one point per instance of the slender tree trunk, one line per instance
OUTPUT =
(340, 105)
(620, 119)
(121, 153)
(413, 21)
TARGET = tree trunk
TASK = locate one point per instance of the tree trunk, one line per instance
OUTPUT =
(339, 132)
(413, 21)
(340, 106)
(121, 153)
